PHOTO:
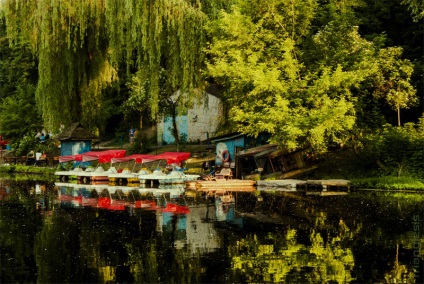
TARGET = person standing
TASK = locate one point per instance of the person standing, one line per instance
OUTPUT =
(132, 134)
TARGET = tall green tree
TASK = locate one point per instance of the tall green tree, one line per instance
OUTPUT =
(19, 115)
(69, 40)
(80, 45)
(393, 80)
(256, 54)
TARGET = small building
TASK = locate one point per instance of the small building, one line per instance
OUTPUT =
(229, 145)
(268, 161)
(198, 123)
(75, 140)
(255, 158)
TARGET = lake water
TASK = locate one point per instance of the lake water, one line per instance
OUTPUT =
(66, 233)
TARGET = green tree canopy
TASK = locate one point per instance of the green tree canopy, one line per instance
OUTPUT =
(258, 58)
(18, 78)
(81, 44)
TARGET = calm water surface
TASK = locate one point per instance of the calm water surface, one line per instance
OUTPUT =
(67, 233)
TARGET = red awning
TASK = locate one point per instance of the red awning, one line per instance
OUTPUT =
(139, 158)
(174, 157)
(103, 156)
(77, 157)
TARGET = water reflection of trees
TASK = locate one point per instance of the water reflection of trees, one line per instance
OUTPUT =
(19, 224)
(285, 238)
(279, 257)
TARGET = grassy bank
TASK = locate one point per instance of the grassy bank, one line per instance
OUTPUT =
(26, 169)
(389, 183)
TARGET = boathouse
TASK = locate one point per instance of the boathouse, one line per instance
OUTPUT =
(269, 161)
(229, 145)
(75, 140)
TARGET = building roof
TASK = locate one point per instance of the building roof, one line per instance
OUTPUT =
(76, 132)
(262, 149)
(225, 137)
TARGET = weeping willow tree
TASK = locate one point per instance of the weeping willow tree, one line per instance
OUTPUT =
(70, 41)
(163, 40)
(81, 43)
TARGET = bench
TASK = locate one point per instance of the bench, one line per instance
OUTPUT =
(225, 173)
(41, 162)
(10, 159)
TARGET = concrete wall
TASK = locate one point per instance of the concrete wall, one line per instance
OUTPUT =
(198, 124)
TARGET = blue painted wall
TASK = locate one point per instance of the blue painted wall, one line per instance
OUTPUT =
(182, 122)
(68, 148)
(242, 141)
(230, 146)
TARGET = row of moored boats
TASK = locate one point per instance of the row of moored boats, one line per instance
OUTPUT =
(114, 167)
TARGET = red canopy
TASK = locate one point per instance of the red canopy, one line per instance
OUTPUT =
(139, 158)
(77, 157)
(103, 156)
(174, 157)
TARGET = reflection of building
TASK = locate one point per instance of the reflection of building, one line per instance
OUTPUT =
(201, 235)
(189, 230)
(224, 211)
(175, 224)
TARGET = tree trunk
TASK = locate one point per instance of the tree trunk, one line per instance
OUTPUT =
(174, 125)
(398, 114)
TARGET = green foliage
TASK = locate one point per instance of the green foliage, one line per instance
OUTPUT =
(166, 38)
(22, 169)
(416, 7)
(393, 80)
(257, 58)
(29, 142)
(398, 151)
(141, 144)
(389, 183)
(18, 75)
(80, 47)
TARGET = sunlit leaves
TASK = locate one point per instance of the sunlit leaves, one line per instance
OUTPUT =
(272, 90)
(283, 259)
(416, 7)
(393, 80)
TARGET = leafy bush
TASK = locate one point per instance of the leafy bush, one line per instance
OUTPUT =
(389, 183)
(398, 151)
(141, 144)
(29, 142)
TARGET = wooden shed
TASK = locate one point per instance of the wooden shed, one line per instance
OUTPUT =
(75, 140)
(227, 146)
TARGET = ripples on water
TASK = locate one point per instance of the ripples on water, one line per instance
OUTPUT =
(99, 234)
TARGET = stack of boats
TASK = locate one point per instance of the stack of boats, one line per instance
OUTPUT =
(115, 168)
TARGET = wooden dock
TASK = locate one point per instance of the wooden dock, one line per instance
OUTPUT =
(222, 185)
(283, 184)
(326, 193)
(327, 185)
(311, 187)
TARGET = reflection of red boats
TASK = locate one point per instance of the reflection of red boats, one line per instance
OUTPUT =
(177, 209)
(3, 194)
(108, 203)
(145, 204)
